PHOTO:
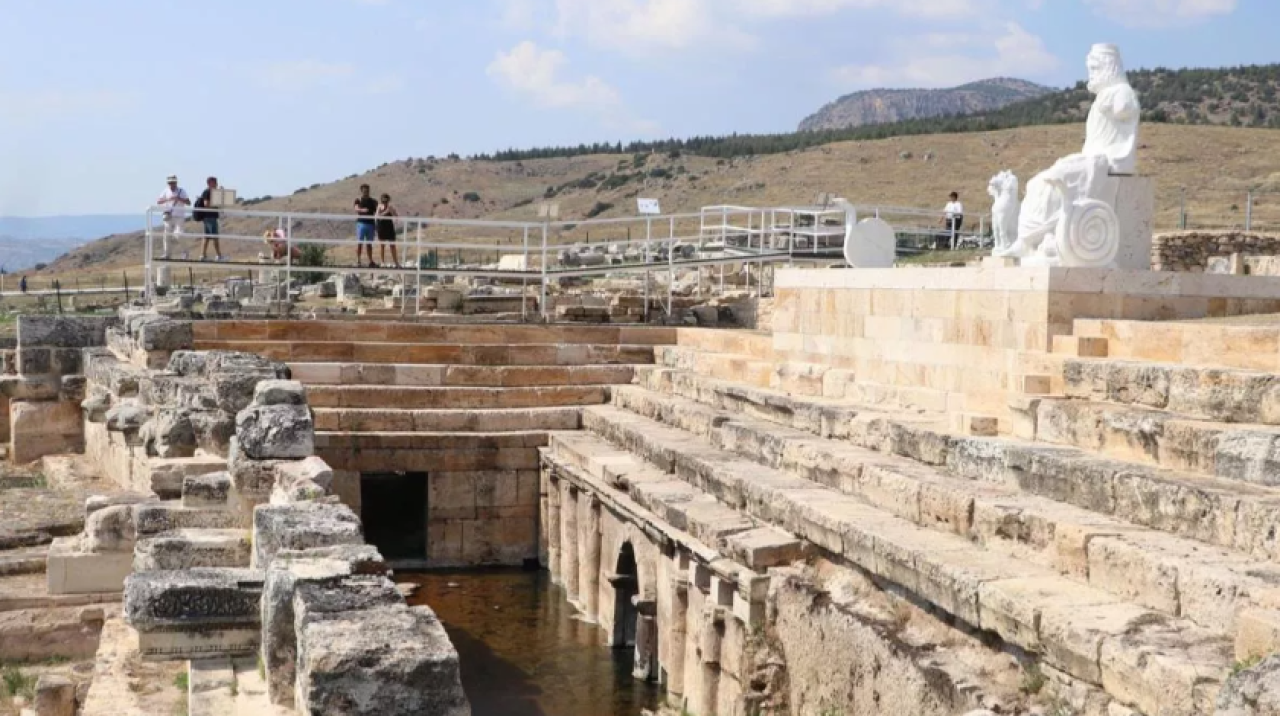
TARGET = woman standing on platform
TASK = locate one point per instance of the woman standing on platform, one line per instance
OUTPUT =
(387, 231)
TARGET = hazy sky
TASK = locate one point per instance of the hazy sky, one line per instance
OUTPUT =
(101, 99)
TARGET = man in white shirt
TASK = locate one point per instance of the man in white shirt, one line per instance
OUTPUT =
(954, 218)
(175, 202)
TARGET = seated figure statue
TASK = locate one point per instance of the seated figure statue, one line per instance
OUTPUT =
(1068, 216)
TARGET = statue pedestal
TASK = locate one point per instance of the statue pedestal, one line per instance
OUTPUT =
(1135, 208)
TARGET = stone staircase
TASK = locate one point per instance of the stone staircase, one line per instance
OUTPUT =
(384, 388)
(1125, 537)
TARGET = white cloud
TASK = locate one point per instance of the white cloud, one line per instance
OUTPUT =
(302, 74)
(536, 74)
(1159, 13)
(1014, 52)
(919, 8)
(645, 25)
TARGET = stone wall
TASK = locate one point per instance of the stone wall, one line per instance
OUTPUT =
(1191, 251)
(41, 385)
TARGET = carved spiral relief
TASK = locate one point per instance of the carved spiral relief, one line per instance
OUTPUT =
(1090, 235)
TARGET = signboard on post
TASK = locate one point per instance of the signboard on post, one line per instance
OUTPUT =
(648, 207)
(222, 197)
(548, 210)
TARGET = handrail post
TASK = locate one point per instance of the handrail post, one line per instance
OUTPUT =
(148, 280)
(417, 297)
(542, 299)
(524, 283)
(288, 257)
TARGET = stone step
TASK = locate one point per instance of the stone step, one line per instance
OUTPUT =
(753, 344)
(1215, 511)
(1234, 451)
(427, 333)
(682, 506)
(1232, 395)
(229, 687)
(434, 398)
(193, 548)
(1191, 343)
(1209, 586)
(429, 452)
(1152, 661)
(530, 354)
(483, 420)
(460, 375)
(744, 369)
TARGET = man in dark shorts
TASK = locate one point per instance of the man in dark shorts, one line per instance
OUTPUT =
(366, 206)
(209, 217)
(387, 231)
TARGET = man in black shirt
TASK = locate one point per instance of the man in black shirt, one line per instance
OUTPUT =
(209, 217)
(366, 206)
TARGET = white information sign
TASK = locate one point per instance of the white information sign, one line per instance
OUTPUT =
(648, 207)
(222, 197)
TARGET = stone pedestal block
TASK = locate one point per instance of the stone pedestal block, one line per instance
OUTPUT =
(379, 662)
(301, 526)
(44, 428)
(195, 614)
(1135, 208)
(72, 571)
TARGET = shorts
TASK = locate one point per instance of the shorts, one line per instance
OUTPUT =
(364, 233)
(211, 227)
(386, 231)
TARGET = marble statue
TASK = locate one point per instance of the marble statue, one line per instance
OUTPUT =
(1068, 216)
(1004, 209)
(870, 243)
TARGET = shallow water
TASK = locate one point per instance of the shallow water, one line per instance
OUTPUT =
(522, 651)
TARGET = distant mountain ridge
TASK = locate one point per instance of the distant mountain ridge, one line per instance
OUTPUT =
(882, 106)
(27, 241)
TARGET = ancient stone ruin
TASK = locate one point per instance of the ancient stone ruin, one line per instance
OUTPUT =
(996, 490)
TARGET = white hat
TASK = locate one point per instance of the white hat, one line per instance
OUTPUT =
(172, 178)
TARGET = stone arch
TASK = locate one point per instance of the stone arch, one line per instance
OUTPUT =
(626, 586)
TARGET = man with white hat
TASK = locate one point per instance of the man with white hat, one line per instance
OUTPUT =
(175, 202)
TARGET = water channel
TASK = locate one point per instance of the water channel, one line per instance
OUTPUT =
(522, 650)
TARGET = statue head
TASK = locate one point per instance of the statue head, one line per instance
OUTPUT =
(1105, 66)
(1004, 184)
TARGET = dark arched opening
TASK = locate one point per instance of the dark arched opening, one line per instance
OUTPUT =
(626, 586)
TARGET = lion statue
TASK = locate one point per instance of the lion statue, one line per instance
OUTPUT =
(1003, 189)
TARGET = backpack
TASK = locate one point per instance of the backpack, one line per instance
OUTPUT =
(196, 213)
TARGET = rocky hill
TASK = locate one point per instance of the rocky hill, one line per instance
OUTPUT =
(880, 106)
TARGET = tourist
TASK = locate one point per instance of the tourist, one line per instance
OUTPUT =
(366, 206)
(203, 213)
(953, 218)
(387, 231)
(175, 202)
(22, 285)
(280, 246)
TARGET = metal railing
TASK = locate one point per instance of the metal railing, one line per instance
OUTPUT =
(670, 242)
(749, 238)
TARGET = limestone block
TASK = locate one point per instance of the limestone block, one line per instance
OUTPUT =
(1080, 346)
(155, 518)
(279, 392)
(209, 490)
(167, 475)
(69, 570)
(29, 388)
(127, 416)
(165, 335)
(313, 469)
(1252, 692)
(383, 662)
(304, 525)
(170, 434)
(64, 331)
(196, 613)
(110, 529)
(1135, 209)
(975, 425)
(55, 696)
(73, 388)
(1257, 633)
(190, 549)
(95, 405)
(44, 428)
(276, 432)
(291, 568)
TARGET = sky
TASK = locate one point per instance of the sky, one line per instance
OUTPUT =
(100, 100)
